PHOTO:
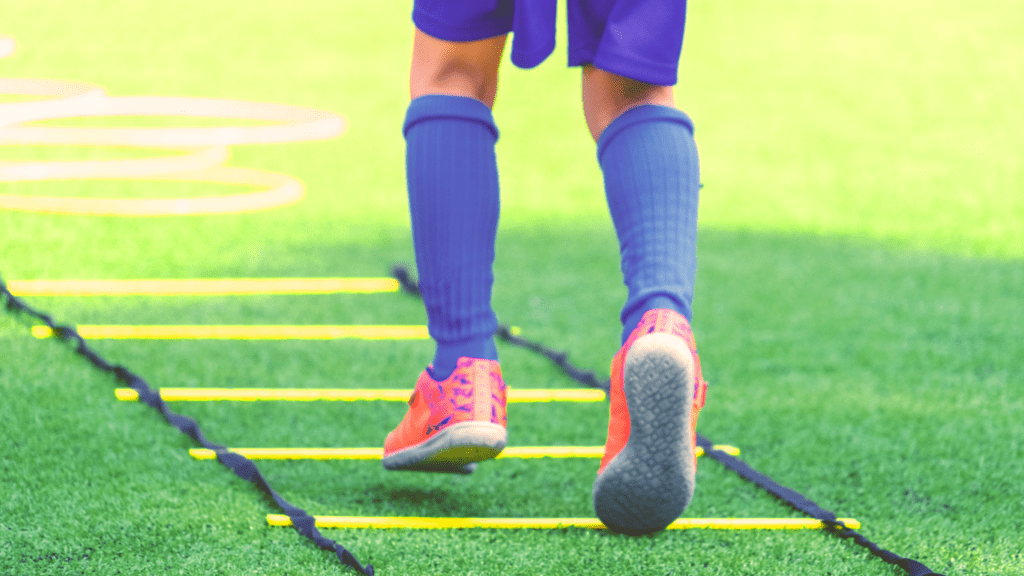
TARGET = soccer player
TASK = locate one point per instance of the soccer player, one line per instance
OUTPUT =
(629, 53)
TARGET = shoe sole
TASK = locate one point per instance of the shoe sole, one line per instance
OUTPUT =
(457, 448)
(651, 481)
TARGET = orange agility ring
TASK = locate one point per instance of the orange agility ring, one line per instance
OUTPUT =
(296, 123)
(283, 190)
(205, 148)
(6, 46)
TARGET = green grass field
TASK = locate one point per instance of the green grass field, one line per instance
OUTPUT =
(858, 306)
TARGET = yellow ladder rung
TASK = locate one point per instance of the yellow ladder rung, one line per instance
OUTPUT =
(243, 332)
(344, 395)
(413, 522)
(202, 286)
(377, 453)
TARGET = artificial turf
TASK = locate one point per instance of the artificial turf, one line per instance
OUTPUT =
(858, 304)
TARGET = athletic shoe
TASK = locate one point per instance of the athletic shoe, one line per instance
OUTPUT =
(646, 478)
(453, 424)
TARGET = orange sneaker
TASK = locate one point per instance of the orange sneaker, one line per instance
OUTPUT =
(646, 478)
(452, 424)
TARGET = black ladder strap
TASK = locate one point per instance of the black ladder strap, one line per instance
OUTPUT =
(242, 467)
(741, 468)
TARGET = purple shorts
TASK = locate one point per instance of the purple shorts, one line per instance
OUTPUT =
(638, 39)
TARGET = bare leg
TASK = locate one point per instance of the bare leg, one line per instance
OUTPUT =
(457, 416)
(452, 178)
(456, 68)
(607, 95)
(649, 160)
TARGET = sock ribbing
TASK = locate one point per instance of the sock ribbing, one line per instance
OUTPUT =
(452, 179)
(652, 181)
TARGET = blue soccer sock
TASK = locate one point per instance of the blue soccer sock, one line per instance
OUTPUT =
(652, 181)
(452, 178)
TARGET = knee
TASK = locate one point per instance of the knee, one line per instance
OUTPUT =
(456, 68)
(607, 95)
(454, 76)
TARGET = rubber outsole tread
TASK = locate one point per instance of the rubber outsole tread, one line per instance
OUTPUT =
(651, 481)
(456, 448)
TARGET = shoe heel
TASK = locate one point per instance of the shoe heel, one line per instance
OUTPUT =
(651, 481)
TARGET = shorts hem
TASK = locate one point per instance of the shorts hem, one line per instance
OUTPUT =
(469, 32)
(533, 58)
(634, 68)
